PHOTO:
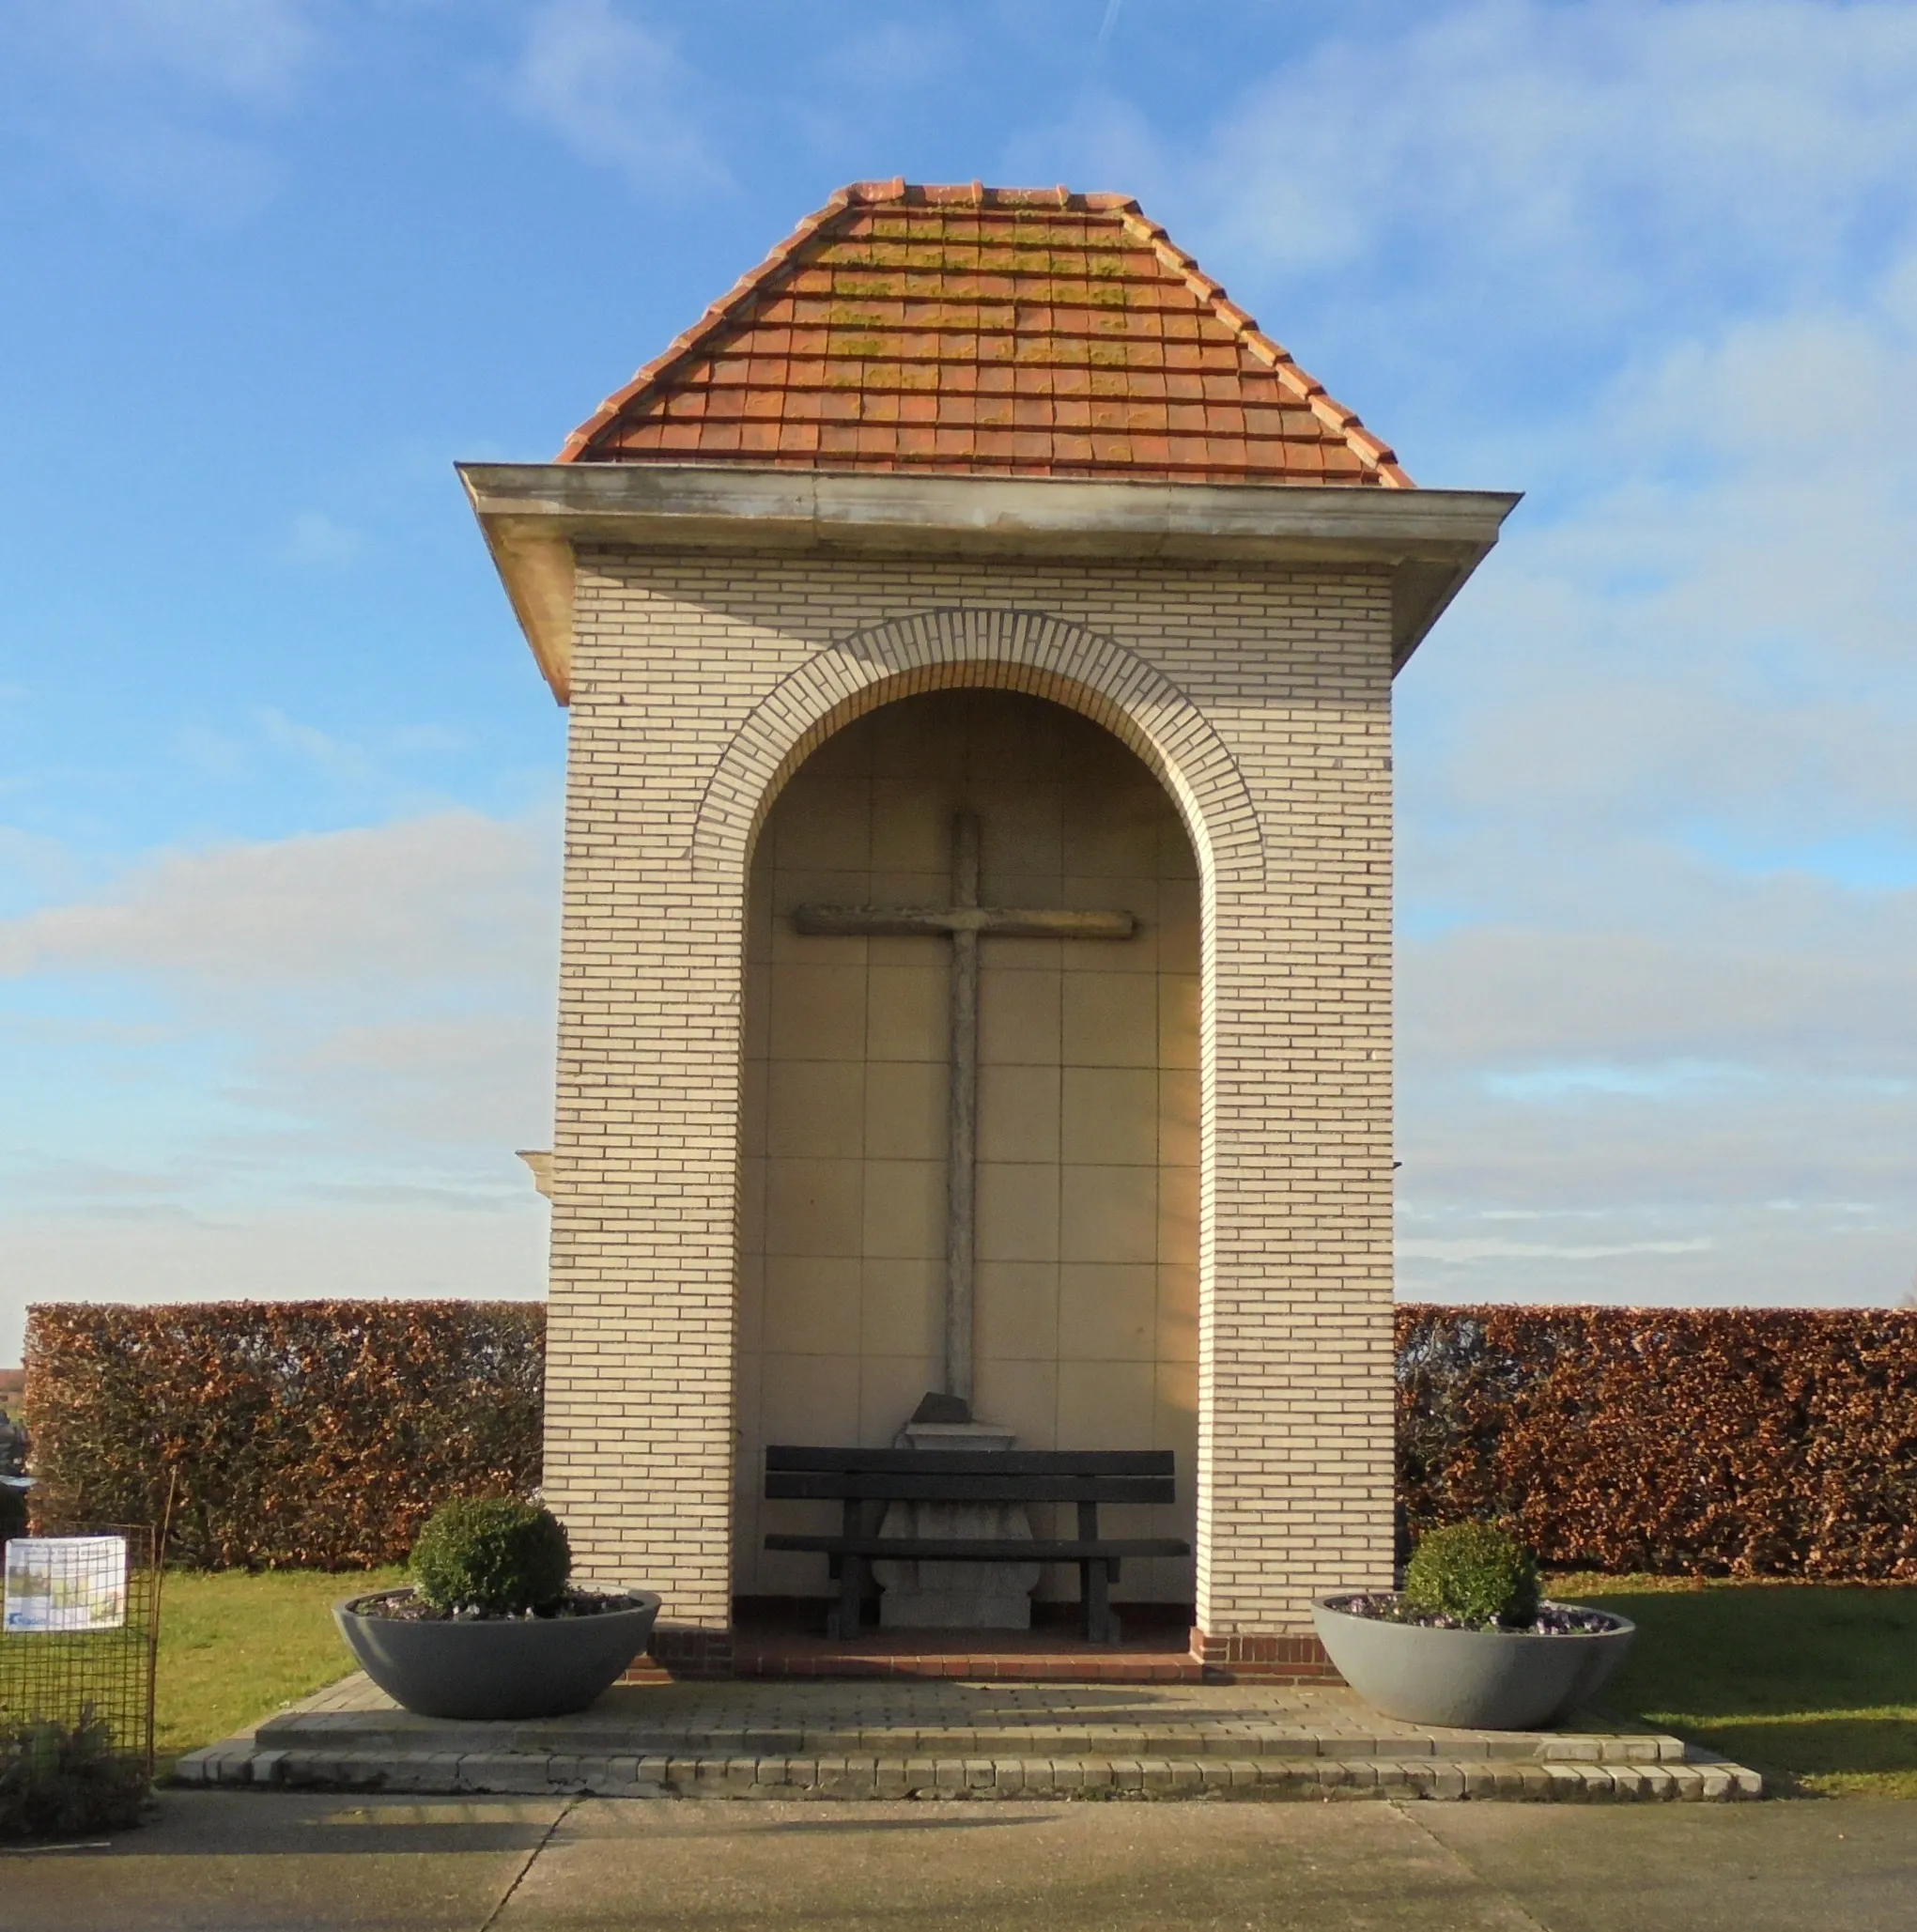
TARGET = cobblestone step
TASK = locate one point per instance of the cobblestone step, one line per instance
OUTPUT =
(854, 1775)
(396, 1732)
(955, 1740)
(947, 1719)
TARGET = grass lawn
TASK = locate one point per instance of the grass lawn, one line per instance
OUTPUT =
(234, 1647)
(1812, 1684)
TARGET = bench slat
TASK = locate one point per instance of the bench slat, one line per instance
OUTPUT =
(924, 1486)
(981, 1549)
(788, 1456)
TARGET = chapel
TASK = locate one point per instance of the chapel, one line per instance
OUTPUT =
(976, 962)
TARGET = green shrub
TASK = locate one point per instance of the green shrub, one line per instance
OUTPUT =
(1473, 1572)
(56, 1779)
(491, 1554)
(12, 1512)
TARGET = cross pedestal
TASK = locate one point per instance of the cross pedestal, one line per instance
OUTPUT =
(955, 1596)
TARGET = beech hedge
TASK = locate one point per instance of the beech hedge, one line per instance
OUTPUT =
(315, 1435)
(322, 1435)
(1728, 1442)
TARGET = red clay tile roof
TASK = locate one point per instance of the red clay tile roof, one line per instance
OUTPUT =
(985, 331)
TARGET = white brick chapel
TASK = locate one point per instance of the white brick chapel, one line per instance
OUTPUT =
(975, 557)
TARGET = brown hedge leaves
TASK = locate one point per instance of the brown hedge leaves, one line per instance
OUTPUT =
(1725, 1442)
(1737, 1442)
(309, 1434)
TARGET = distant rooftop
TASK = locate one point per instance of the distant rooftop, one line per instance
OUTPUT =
(970, 330)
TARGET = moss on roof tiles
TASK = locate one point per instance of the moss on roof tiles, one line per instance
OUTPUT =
(893, 296)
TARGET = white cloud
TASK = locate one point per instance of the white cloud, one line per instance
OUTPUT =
(253, 52)
(1659, 816)
(1615, 1015)
(459, 1089)
(616, 92)
(376, 765)
(298, 1066)
(327, 1247)
(322, 752)
(314, 540)
(1561, 167)
(160, 103)
(1657, 264)
(33, 867)
(1485, 1248)
(398, 908)
(1830, 1003)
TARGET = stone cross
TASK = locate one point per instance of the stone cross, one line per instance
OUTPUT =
(964, 922)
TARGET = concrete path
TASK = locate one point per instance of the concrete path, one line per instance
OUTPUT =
(243, 1862)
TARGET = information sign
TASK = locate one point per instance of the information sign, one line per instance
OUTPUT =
(66, 1584)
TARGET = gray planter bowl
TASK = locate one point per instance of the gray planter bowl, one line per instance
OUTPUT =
(514, 1668)
(1476, 1681)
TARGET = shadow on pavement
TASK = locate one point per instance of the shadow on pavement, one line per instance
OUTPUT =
(309, 1825)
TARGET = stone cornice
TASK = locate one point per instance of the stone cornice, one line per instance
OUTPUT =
(533, 514)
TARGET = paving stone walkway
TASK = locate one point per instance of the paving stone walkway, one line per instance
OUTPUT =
(910, 1738)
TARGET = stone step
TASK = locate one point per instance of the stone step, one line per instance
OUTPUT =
(1241, 1776)
(952, 1739)
(392, 1731)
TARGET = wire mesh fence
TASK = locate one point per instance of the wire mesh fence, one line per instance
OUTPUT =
(79, 1638)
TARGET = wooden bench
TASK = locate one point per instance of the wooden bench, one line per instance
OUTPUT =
(863, 1481)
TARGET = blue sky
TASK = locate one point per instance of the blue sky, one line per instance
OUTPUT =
(279, 785)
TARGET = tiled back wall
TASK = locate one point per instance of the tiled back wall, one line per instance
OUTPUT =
(1086, 1333)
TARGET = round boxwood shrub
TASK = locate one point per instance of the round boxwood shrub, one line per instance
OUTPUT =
(493, 1554)
(1475, 1573)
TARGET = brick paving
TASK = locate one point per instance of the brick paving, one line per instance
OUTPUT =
(1049, 1656)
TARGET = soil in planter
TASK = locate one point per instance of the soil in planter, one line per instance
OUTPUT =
(1552, 1619)
(402, 1606)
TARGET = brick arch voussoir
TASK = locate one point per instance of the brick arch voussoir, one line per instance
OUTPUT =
(949, 649)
